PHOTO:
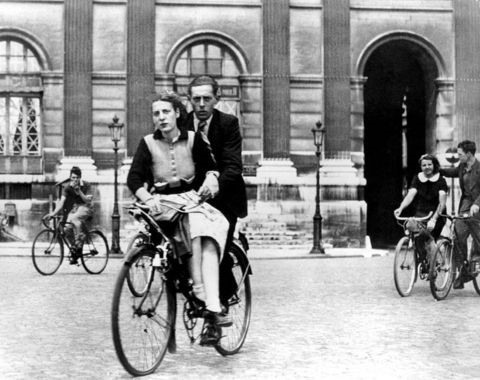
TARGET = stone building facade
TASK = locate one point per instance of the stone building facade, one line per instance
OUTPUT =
(389, 79)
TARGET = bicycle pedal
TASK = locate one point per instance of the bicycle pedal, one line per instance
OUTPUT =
(209, 340)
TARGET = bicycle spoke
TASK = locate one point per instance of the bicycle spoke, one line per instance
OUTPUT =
(95, 252)
(404, 269)
(442, 271)
(47, 252)
(141, 337)
(232, 337)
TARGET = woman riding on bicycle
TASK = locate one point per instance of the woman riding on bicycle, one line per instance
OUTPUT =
(173, 160)
(427, 193)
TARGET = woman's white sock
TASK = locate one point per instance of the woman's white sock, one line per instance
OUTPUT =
(199, 291)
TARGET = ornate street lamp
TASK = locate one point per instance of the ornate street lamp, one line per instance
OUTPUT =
(452, 157)
(318, 140)
(116, 131)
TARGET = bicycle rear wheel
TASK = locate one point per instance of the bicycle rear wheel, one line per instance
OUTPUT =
(47, 252)
(95, 252)
(239, 306)
(476, 284)
(442, 270)
(405, 266)
(142, 326)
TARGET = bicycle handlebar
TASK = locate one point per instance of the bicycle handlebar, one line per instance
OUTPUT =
(46, 218)
(418, 219)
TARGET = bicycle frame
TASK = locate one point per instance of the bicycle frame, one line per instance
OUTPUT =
(452, 234)
(165, 260)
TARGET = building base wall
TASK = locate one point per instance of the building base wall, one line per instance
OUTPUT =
(278, 214)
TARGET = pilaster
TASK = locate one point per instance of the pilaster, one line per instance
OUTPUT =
(357, 114)
(140, 69)
(336, 21)
(276, 165)
(78, 78)
(444, 114)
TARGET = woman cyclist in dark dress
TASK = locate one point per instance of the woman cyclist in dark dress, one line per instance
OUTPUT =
(427, 193)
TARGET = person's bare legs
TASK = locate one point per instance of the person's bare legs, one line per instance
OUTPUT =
(210, 275)
(195, 268)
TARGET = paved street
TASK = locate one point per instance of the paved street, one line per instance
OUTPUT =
(312, 319)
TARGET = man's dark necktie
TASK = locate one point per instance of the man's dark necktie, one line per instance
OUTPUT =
(202, 130)
(201, 126)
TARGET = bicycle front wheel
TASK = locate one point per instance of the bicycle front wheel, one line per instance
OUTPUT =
(239, 305)
(442, 270)
(95, 252)
(405, 266)
(47, 252)
(138, 274)
(142, 326)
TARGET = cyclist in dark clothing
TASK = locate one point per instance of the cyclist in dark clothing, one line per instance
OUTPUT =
(427, 193)
(76, 206)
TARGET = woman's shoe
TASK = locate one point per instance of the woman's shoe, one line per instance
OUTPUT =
(220, 319)
(210, 334)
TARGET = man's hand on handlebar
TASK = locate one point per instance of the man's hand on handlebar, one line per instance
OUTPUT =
(209, 188)
(431, 224)
(397, 212)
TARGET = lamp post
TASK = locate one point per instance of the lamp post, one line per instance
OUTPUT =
(318, 138)
(452, 157)
(115, 130)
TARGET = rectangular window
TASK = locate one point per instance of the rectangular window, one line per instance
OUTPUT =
(19, 126)
(15, 191)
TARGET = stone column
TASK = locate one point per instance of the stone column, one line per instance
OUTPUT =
(444, 114)
(467, 70)
(357, 113)
(140, 70)
(276, 164)
(78, 89)
(336, 29)
(445, 132)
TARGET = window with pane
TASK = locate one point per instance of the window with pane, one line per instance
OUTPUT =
(216, 60)
(16, 57)
(19, 101)
(19, 125)
(206, 58)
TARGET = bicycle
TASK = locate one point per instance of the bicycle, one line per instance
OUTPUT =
(408, 264)
(49, 246)
(144, 306)
(443, 272)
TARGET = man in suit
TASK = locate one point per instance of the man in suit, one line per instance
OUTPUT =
(223, 132)
(468, 172)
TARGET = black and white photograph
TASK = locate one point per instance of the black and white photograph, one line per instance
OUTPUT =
(240, 189)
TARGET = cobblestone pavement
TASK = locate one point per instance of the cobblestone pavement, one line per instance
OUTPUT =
(312, 319)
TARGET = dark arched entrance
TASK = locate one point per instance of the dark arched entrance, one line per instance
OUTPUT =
(398, 72)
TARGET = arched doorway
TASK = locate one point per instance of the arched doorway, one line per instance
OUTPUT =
(399, 121)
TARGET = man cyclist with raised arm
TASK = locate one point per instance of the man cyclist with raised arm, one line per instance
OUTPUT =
(76, 205)
(468, 172)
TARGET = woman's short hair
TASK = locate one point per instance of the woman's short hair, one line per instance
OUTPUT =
(176, 101)
(430, 157)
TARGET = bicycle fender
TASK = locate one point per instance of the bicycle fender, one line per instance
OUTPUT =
(130, 254)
